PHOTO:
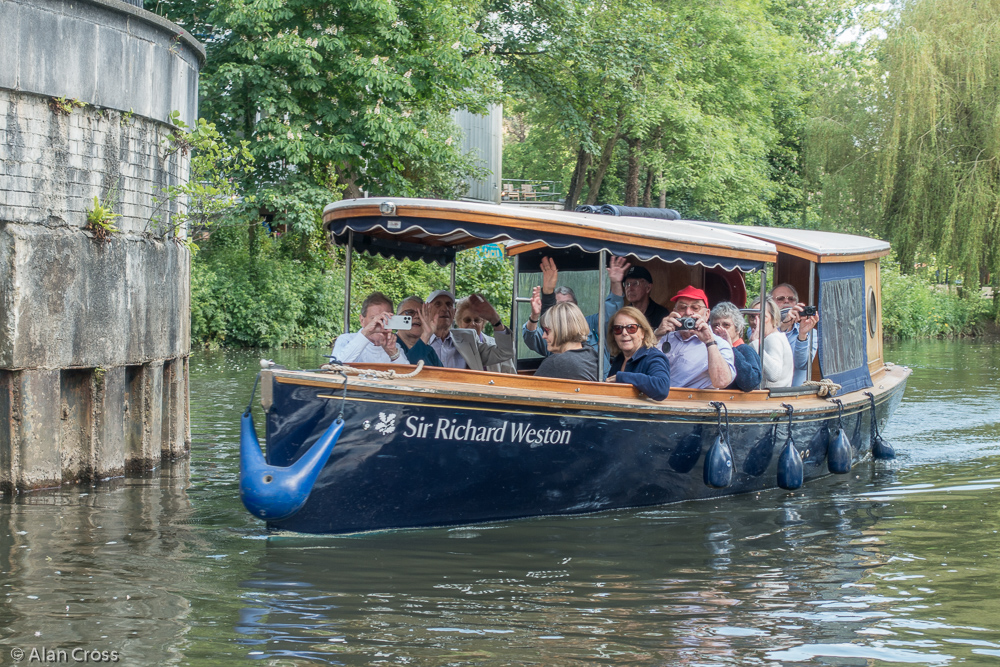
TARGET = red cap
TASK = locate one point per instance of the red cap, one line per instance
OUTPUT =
(690, 292)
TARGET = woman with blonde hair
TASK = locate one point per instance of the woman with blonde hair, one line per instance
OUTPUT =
(777, 364)
(635, 358)
(565, 331)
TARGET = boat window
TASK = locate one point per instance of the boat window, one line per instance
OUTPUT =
(584, 285)
(843, 325)
(872, 312)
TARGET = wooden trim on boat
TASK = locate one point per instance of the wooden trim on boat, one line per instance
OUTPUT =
(550, 393)
(577, 387)
(784, 249)
(548, 226)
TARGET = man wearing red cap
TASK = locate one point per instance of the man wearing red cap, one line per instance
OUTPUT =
(698, 358)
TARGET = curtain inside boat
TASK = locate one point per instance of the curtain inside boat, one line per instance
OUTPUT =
(843, 349)
(433, 240)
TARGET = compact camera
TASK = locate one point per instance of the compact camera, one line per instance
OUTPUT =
(688, 323)
(808, 311)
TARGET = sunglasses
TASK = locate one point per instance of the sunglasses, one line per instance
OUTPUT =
(546, 330)
(627, 328)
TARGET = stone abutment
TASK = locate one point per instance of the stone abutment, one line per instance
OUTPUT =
(94, 332)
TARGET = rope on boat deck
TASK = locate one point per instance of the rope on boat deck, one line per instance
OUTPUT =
(367, 372)
(825, 387)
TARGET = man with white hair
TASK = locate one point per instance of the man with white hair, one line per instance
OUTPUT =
(462, 348)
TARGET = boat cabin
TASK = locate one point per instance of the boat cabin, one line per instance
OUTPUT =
(838, 273)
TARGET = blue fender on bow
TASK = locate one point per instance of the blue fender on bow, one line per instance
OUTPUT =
(274, 493)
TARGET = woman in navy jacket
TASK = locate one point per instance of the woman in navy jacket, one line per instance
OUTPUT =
(635, 358)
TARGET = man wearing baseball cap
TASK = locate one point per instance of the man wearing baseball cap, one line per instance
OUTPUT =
(637, 283)
(698, 358)
(462, 348)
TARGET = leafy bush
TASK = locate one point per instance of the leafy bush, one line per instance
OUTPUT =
(274, 301)
(281, 299)
(912, 307)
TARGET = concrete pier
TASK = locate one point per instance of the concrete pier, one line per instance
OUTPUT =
(94, 334)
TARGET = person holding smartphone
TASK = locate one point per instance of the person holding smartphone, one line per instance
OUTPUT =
(375, 342)
(414, 340)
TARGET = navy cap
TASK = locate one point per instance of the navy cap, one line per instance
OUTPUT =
(638, 272)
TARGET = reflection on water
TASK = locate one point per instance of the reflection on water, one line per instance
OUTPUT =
(893, 564)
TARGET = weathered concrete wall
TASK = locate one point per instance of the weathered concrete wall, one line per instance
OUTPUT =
(103, 52)
(94, 335)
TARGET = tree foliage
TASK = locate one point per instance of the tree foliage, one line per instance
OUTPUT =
(908, 145)
(341, 95)
(701, 104)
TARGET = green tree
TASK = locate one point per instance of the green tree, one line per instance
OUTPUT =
(701, 104)
(346, 95)
(908, 145)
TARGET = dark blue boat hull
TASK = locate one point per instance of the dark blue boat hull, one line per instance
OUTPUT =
(429, 461)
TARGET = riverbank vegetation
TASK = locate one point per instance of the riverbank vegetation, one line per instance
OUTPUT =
(916, 306)
(827, 114)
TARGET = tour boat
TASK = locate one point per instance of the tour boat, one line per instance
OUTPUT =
(390, 447)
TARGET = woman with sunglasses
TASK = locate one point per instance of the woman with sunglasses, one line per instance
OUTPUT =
(635, 357)
(777, 363)
(565, 331)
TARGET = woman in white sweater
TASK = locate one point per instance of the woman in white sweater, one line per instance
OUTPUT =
(777, 363)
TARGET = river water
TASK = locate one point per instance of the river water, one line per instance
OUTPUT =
(894, 564)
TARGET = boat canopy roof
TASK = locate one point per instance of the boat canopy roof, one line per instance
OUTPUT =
(434, 230)
(816, 246)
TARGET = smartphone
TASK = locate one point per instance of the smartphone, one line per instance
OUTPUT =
(400, 322)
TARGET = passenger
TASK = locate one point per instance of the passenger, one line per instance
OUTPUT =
(637, 283)
(374, 343)
(727, 322)
(796, 328)
(415, 341)
(549, 294)
(777, 364)
(565, 331)
(461, 348)
(636, 359)
(698, 358)
(466, 319)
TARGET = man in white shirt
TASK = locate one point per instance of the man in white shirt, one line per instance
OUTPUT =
(698, 358)
(374, 343)
(462, 348)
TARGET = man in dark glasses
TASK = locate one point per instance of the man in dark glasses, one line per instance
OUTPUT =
(636, 284)
(698, 358)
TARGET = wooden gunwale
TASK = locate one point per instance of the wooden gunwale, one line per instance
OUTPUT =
(468, 386)
(544, 226)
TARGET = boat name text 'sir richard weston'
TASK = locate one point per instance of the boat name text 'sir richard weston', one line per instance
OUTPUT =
(450, 429)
